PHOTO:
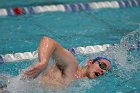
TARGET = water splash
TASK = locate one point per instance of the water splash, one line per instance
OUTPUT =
(24, 86)
(121, 78)
(131, 41)
(125, 66)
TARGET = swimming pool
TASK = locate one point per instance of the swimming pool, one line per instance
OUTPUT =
(74, 29)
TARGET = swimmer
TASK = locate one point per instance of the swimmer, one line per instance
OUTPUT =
(66, 69)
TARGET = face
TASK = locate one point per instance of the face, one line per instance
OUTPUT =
(97, 68)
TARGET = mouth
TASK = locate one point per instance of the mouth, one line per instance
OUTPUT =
(97, 74)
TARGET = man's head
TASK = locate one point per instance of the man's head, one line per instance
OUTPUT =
(97, 67)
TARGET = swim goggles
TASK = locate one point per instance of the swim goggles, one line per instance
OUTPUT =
(102, 65)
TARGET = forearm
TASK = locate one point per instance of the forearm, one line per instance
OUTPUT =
(46, 50)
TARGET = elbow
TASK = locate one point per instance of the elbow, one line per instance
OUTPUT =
(48, 40)
(45, 38)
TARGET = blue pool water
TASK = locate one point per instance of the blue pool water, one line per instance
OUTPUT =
(74, 29)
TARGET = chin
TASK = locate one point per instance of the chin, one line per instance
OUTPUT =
(91, 77)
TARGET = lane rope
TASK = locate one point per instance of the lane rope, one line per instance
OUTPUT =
(34, 54)
(68, 7)
(78, 50)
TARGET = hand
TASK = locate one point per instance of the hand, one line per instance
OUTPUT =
(34, 71)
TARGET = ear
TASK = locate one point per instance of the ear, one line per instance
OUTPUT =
(90, 62)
